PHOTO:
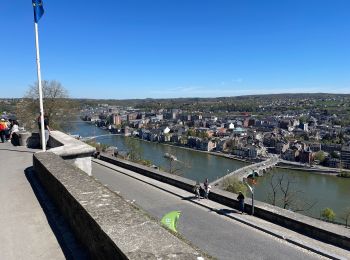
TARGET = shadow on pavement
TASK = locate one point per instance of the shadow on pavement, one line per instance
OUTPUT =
(71, 248)
(225, 211)
(190, 198)
(14, 150)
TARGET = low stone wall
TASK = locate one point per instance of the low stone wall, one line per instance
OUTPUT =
(69, 148)
(107, 225)
(172, 179)
(327, 232)
(72, 150)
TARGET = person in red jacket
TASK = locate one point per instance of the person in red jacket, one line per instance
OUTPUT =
(3, 128)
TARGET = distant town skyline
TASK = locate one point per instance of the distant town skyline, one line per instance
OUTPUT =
(178, 48)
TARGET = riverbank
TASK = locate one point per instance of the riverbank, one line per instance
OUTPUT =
(227, 156)
(199, 166)
(286, 164)
(325, 171)
(313, 170)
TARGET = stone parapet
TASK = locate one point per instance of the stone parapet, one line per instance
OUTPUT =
(107, 225)
(71, 149)
(171, 179)
(323, 231)
(67, 146)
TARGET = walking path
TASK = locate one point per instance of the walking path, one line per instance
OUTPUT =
(24, 229)
(150, 195)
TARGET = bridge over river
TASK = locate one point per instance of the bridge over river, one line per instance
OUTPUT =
(260, 168)
(201, 165)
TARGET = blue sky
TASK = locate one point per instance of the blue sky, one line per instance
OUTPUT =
(178, 48)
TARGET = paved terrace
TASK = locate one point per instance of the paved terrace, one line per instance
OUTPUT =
(25, 230)
(31, 229)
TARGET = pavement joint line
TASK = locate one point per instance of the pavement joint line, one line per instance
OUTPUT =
(274, 233)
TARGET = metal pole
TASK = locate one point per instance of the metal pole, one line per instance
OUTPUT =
(43, 143)
(252, 200)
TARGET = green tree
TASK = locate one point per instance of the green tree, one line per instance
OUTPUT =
(320, 156)
(303, 119)
(191, 132)
(202, 135)
(232, 184)
(328, 214)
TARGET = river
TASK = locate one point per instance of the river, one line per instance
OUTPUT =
(321, 190)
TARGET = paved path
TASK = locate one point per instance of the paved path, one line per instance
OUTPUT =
(24, 229)
(214, 228)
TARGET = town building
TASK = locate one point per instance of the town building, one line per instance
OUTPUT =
(345, 157)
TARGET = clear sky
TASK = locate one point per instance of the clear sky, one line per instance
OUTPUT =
(178, 48)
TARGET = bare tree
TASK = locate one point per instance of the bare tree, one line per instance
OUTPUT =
(57, 105)
(174, 165)
(346, 216)
(287, 194)
(134, 149)
(272, 196)
(284, 194)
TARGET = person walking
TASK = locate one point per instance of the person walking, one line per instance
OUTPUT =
(196, 190)
(240, 199)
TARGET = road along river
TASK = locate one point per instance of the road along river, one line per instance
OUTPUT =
(321, 190)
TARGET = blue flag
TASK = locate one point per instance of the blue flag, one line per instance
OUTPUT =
(38, 9)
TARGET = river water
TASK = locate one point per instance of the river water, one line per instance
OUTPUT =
(309, 188)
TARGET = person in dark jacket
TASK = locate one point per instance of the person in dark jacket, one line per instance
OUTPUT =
(14, 133)
(240, 199)
(46, 128)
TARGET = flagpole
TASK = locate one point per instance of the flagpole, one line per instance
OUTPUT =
(43, 143)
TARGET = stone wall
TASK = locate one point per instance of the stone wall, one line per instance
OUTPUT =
(72, 150)
(107, 225)
(69, 148)
(172, 179)
(327, 232)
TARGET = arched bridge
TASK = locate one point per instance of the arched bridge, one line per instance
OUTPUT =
(259, 168)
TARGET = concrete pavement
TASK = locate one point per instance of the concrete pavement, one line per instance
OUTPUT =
(211, 226)
(24, 229)
(30, 225)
